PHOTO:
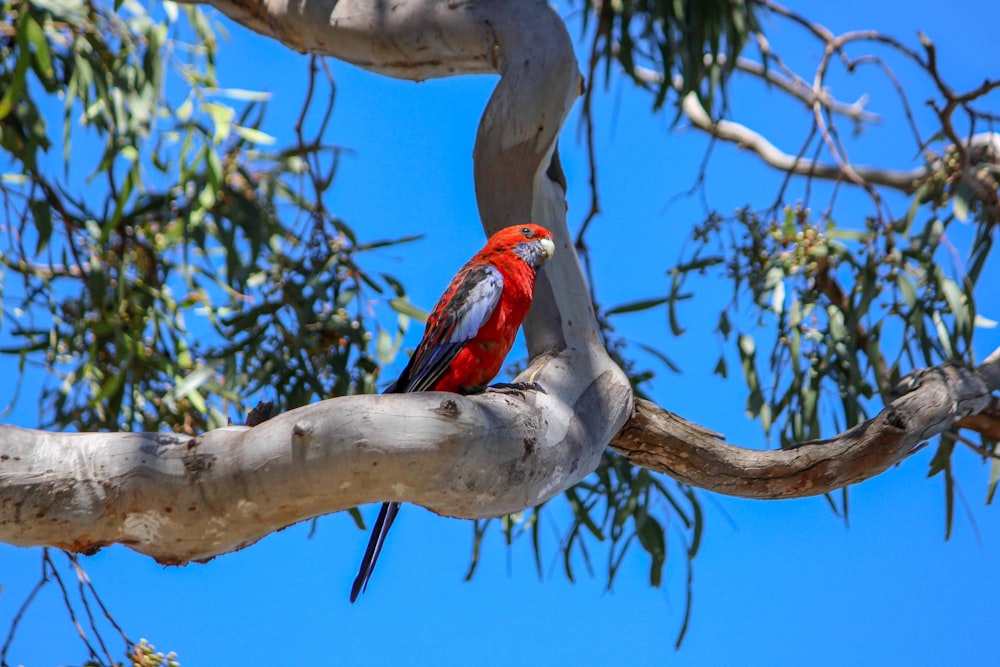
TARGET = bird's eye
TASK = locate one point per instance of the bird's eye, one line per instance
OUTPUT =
(527, 231)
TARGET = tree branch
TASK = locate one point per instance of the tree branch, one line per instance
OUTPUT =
(983, 144)
(182, 498)
(179, 499)
(983, 147)
(744, 137)
(798, 88)
(929, 403)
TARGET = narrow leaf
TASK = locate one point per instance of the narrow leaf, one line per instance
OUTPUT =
(636, 306)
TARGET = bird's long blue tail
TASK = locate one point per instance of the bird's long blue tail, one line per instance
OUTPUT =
(383, 523)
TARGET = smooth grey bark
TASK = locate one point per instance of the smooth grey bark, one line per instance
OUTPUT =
(182, 498)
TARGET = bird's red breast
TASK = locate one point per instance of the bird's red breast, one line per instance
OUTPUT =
(474, 323)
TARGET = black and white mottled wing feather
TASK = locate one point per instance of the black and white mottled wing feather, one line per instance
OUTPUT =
(460, 313)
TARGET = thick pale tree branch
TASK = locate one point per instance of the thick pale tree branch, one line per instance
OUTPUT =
(180, 499)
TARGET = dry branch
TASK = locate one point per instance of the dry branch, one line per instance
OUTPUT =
(931, 402)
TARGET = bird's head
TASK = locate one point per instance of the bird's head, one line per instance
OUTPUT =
(532, 243)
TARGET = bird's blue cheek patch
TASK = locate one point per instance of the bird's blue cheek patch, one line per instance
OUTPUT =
(531, 252)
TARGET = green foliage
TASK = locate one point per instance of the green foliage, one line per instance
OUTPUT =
(830, 297)
(840, 313)
(827, 312)
(199, 267)
(829, 337)
(618, 507)
(615, 505)
(697, 41)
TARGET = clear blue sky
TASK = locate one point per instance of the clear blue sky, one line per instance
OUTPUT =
(776, 583)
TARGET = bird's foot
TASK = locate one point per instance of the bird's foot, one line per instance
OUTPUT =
(516, 388)
(504, 388)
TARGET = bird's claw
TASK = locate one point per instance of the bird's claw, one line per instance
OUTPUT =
(516, 387)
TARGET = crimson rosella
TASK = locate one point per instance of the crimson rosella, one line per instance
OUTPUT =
(468, 335)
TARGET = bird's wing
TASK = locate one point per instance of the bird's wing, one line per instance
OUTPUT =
(461, 312)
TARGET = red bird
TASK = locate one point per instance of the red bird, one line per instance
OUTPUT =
(468, 335)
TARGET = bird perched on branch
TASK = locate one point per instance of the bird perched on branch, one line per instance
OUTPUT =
(468, 335)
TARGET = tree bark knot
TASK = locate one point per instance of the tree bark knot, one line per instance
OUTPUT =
(196, 464)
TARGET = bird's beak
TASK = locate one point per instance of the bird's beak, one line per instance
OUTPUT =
(548, 247)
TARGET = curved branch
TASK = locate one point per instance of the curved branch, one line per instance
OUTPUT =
(525, 42)
(182, 498)
(934, 400)
(798, 88)
(982, 144)
(744, 137)
(179, 499)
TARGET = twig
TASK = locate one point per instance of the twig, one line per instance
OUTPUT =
(82, 581)
(69, 607)
(44, 579)
(979, 449)
(797, 87)
(85, 581)
(587, 119)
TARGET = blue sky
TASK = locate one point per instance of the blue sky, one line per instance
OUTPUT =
(776, 583)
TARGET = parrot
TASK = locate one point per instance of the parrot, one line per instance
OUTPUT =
(467, 337)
